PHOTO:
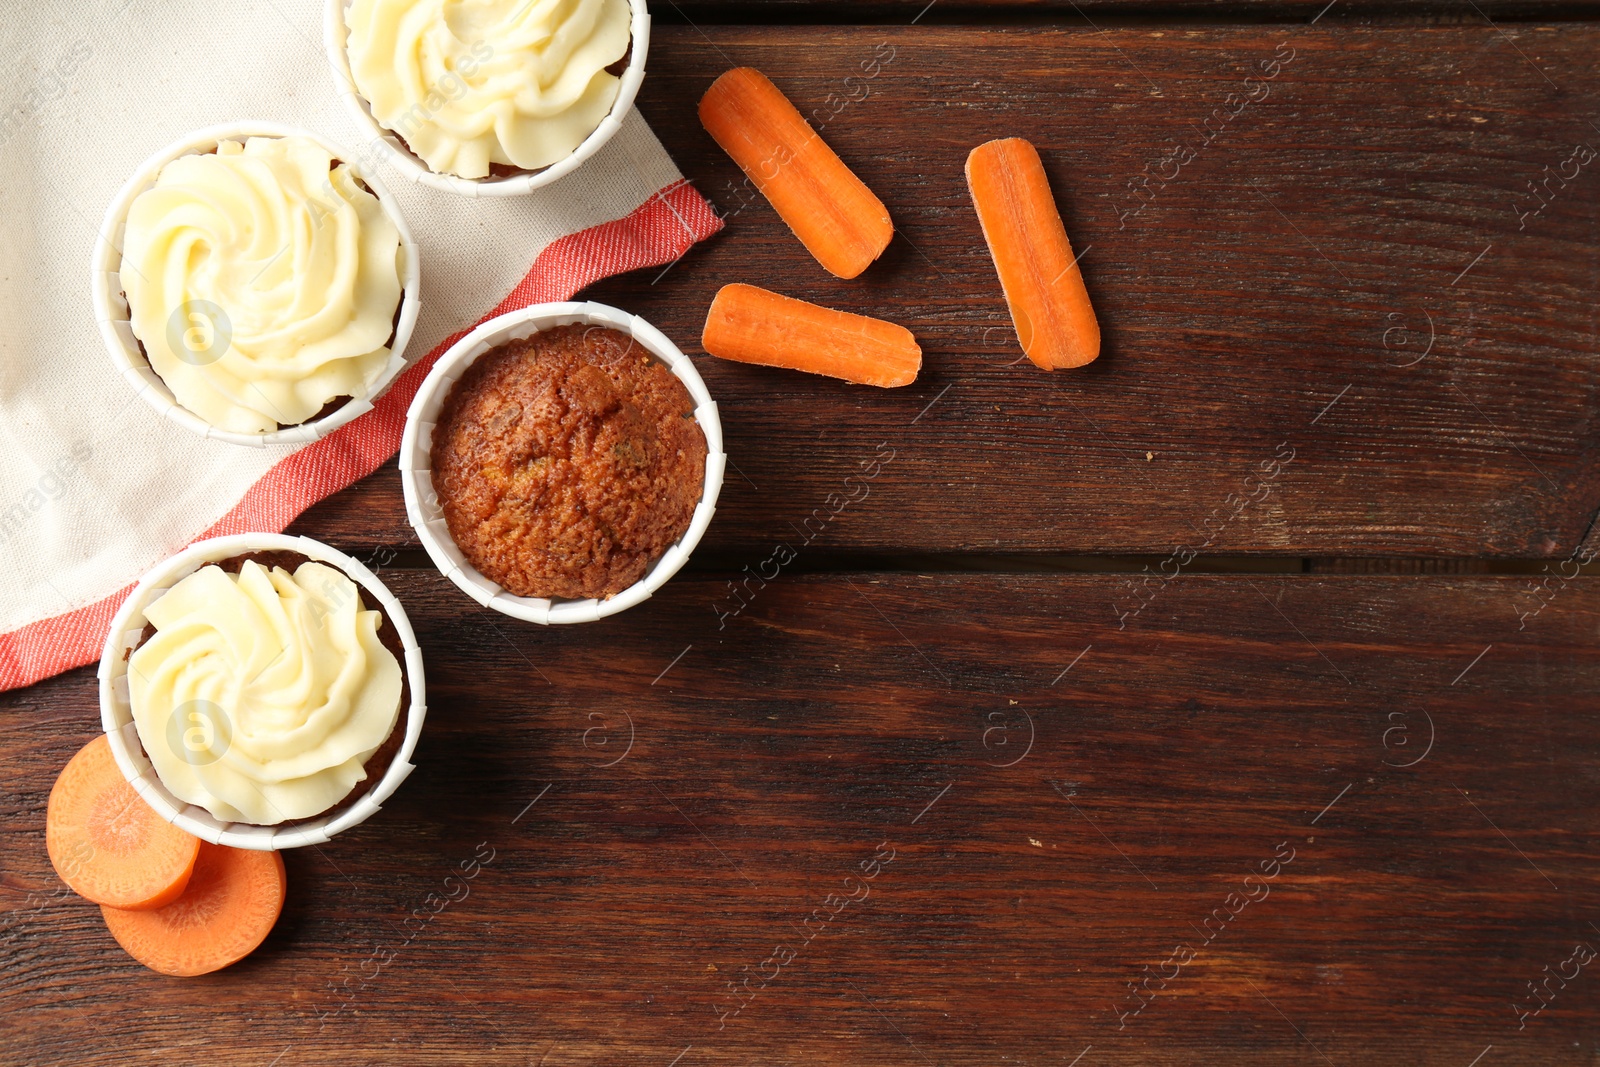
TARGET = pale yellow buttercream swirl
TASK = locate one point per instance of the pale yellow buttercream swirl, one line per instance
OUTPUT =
(468, 83)
(262, 283)
(261, 695)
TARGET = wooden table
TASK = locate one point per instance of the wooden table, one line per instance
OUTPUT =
(1229, 700)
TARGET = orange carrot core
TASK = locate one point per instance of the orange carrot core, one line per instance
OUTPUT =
(230, 905)
(834, 214)
(752, 325)
(106, 843)
(1038, 272)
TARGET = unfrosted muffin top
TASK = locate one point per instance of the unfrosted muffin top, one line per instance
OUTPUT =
(566, 464)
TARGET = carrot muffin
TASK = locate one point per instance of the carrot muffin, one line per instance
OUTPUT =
(264, 691)
(489, 87)
(263, 282)
(566, 464)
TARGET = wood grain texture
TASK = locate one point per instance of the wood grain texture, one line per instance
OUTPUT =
(1040, 12)
(1231, 719)
(1279, 288)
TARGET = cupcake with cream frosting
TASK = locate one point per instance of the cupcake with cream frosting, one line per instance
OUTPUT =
(263, 282)
(264, 690)
(480, 88)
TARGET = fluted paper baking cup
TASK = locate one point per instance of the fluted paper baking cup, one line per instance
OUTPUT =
(335, 33)
(111, 306)
(416, 463)
(116, 714)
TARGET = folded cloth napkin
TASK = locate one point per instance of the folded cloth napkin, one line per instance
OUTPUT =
(95, 486)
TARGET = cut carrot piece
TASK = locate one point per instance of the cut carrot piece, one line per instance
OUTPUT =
(106, 843)
(834, 214)
(1040, 276)
(751, 325)
(229, 907)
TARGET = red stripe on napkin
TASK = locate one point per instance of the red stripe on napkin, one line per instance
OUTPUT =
(658, 231)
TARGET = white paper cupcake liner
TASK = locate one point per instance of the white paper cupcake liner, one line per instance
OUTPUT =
(111, 306)
(416, 463)
(116, 715)
(335, 32)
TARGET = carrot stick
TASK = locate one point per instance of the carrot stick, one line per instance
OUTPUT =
(751, 325)
(836, 217)
(231, 903)
(106, 843)
(1040, 276)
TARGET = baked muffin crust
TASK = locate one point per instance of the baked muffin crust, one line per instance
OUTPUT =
(566, 464)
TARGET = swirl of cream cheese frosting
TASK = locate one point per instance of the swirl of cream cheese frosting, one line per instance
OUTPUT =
(467, 83)
(261, 695)
(262, 280)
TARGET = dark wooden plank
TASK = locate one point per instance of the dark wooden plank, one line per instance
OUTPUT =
(1230, 719)
(1398, 566)
(1277, 292)
(1590, 548)
(988, 12)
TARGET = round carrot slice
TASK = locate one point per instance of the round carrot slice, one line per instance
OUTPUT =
(106, 843)
(233, 899)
